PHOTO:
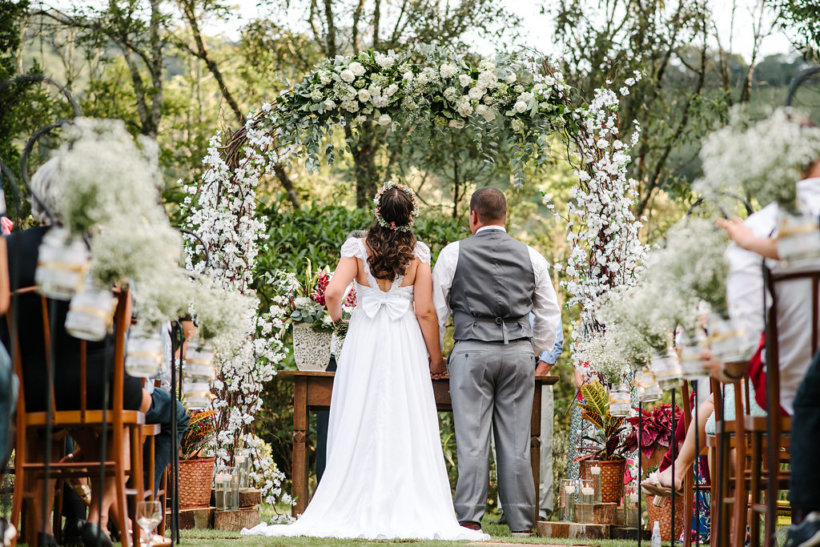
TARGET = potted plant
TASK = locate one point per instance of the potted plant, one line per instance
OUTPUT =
(312, 327)
(656, 434)
(606, 447)
(195, 471)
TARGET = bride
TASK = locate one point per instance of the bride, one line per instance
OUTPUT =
(385, 476)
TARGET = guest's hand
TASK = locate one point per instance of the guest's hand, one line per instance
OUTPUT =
(542, 368)
(711, 364)
(741, 234)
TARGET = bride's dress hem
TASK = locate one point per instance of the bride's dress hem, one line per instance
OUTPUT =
(286, 530)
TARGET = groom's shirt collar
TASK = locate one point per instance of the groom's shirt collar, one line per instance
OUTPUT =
(491, 227)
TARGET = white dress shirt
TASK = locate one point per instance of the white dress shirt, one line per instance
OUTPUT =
(544, 306)
(744, 293)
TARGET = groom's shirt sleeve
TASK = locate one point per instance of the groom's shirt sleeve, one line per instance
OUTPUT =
(544, 305)
(443, 274)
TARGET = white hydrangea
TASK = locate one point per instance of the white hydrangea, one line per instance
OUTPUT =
(448, 70)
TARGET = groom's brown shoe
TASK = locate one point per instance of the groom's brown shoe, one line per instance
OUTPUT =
(522, 534)
(471, 525)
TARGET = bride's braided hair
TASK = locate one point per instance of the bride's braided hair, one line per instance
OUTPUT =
(390, 250)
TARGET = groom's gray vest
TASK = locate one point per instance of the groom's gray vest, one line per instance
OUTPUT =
(493, 288)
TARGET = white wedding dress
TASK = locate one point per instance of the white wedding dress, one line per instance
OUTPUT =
(385, 476)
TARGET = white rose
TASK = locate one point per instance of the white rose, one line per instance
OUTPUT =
(464, 80)
(457, 124)
(487, 79)
(485, 112)
(525, 97)
(448, 70)
(488, 99)
(520, 107)
(364, 95)
(347, 75)
(511, 77)
(316, 95)
(450, 94)
(464, 107)
(408, 76)
(330, 105)
(391, 90)
(486, 65)
(360, 119)
(374, 90)
(475, 92)
(385, 61)
(385, 120)
(325, 77)
(356, 68)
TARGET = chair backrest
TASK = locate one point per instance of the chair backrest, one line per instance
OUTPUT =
(774, 281)
(122, 320)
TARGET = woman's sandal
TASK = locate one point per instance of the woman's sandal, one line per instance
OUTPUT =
(652, 485)
(83, 491)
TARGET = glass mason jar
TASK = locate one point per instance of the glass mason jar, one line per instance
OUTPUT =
(62, 264)
(567, 500)
(199, 361)
(666, 369)
(646, 386)
(798, 239)
(730, 343)
(585, 510)
(620, 402)
(91, 313)
(197, 395)
(690, 361)
(143, 354)
(631, 510)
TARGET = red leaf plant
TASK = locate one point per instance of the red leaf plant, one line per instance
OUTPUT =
(656, 430)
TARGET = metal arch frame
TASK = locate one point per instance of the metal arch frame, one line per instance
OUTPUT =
(801, 78)
(42, 78)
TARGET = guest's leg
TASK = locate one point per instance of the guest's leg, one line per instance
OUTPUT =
(514, 390)
(160, 413)
(472, 398)
(686, 457)
(804, 487)
(547, 417)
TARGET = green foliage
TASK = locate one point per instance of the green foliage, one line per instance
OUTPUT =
(595, 410)
(804, 17)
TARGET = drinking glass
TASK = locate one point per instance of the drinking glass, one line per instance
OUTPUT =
(149, 515)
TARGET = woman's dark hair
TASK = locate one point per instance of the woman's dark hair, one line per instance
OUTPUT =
(390, 251)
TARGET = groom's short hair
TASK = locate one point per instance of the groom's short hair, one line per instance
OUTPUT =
(490, 204)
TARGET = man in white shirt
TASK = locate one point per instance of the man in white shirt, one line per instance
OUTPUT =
(491, 283)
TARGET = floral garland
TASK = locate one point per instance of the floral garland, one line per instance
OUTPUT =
(377, 201)
(606, 252)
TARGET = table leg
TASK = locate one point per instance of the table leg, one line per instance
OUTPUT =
(300, 433)
(535, 446)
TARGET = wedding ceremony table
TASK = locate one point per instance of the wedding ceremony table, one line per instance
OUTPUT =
(312, 391)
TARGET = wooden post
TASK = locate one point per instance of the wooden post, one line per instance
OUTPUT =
(535, 446)
(300, 434)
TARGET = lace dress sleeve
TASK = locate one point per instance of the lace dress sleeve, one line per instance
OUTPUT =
(422, 252)
(352, 248)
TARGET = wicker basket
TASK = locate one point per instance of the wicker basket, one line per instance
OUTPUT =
(663, 515)
(612, 478)
(195, 479)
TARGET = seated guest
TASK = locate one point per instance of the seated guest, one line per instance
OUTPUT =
(23, 248)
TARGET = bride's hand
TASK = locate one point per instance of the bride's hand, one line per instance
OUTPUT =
(438, 368)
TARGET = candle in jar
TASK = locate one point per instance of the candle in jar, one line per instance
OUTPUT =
(595, 470)
(587, 491)
(570, 489)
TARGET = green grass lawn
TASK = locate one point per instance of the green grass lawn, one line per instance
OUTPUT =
(499, 533)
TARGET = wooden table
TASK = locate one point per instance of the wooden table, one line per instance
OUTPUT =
(312, 391)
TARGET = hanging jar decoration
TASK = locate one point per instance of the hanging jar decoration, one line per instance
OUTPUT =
(91, 312)
(143, 354)
(198, 371)
(619, 401)
(62, 264)
(691, 349)
(646, 386)
(729, 342)
(199, 362)
(666, 369)
(798, 239)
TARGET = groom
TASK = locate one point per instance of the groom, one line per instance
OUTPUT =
(491, 282)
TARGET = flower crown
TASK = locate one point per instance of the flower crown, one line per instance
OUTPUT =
(377, 200)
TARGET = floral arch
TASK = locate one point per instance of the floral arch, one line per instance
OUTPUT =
(426, 89)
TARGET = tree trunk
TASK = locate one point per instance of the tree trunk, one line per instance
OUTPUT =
(288, 184)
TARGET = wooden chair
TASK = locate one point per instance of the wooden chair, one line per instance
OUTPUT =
(690, 489)
(771, 435)
(122, 425)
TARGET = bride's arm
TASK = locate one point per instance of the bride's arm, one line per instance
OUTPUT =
(335, 292)
(426, 315)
